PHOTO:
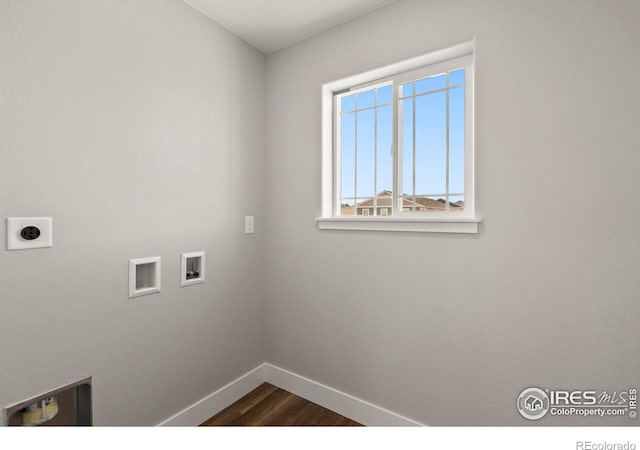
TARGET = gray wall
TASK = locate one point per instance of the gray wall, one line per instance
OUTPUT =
(445, 329)
(138, 126)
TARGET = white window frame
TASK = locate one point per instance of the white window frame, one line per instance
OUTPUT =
(459, 56)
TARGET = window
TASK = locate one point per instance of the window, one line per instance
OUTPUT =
(398, 144)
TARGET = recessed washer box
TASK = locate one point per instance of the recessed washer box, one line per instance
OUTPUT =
(144, 276)
(25, 233)
(192, 267)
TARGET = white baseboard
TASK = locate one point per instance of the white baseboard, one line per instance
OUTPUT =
(349, 406)
(213, 403)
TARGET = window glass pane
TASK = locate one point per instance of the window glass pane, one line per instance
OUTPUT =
(365, 157)
(384, 173)
(456, 140)
(384, 202)
(366, 99)
(407, 203)
(407, 146)
(456, 203)
(406, 89)
(431, 83)
(431, 140)
(456, 77)
(348, 103)
(431, 143)
(347, 155)
(364, 207)
(346, 206)
(436, 203)
(385, 95)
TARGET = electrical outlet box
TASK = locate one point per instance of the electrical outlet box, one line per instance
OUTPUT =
(29, 232)
(192, 268)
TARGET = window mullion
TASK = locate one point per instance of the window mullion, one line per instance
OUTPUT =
(355, 156)
(413, 142)
(396, 139)
(446, 198)
(375, 153)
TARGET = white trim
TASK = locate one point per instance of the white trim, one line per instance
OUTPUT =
(381, 73)
(419, 73)
(213, 403)
(470, 136)
(340, 402)
(379, 223)
(349, 406)
(327, 153)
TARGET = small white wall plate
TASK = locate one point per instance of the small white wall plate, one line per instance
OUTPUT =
(15, 225)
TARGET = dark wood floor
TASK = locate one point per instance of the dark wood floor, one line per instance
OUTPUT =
(268, 405)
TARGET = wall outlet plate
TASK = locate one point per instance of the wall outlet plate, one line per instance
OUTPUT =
(38, 233)
(249, 225)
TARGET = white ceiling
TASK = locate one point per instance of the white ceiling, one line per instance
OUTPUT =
(270, 25)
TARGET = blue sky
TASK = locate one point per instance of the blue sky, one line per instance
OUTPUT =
(430, 138)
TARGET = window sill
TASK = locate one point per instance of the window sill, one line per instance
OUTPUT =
(402, 225)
